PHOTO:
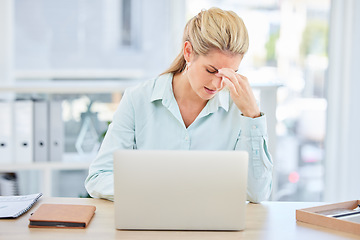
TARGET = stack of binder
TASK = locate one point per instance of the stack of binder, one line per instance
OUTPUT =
(8, 184)
(31, 131)
(6, 126)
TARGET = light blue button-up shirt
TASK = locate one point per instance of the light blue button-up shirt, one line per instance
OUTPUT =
(149, 118)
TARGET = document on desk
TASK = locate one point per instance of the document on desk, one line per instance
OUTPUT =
(15, 206)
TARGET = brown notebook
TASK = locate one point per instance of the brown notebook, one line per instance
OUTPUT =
(62, 216)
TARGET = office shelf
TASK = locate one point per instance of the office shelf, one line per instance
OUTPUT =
(62, 82)
(46, 166)
(68, 86)
(79, 74)
(71, 162)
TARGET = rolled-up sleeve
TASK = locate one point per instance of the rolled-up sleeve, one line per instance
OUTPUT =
(253, 139)
(120, 135)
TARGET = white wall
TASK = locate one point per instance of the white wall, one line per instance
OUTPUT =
(6, 40)
(342, 164)
(74, 34)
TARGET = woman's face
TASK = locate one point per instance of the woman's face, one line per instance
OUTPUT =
(202, 69)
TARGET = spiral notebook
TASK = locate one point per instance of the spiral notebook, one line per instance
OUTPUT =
(15, 206)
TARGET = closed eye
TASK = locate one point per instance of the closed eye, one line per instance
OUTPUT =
(211, 71)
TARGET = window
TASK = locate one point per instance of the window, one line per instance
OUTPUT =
(126, 28)
(65, 35)
(288, 44)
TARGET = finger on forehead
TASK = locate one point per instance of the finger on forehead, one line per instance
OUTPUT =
(235, 82)
(233, 77)
(226, 71)
(229, 73)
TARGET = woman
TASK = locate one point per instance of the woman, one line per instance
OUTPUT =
(187, 107)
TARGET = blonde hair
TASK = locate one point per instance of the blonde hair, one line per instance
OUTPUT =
(212, 29)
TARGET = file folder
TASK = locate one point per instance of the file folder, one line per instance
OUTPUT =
(40, 131)
(6, 126)
(23, 125)
(56, 129)
(62, 216)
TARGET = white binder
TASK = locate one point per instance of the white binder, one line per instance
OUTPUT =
(24, 136)
(56, 129)
(41, 131)
(6, 128)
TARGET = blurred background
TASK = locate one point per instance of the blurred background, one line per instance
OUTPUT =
(292, 45)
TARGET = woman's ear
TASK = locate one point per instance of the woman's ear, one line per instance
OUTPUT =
(188, 51)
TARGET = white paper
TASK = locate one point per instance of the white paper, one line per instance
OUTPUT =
(351, 218)
(14, 206)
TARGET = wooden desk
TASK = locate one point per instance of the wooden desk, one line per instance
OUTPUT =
(269, 220)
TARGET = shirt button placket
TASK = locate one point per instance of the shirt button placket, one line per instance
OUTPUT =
(187, 140)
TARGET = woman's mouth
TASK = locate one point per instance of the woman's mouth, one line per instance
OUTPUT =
(209, 91)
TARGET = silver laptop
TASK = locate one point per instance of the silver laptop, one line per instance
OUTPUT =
(180, 190)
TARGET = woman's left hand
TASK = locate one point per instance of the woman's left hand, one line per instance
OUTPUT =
(240, 92)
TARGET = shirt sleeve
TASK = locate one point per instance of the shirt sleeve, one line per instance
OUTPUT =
(120, 135)
(253, 139)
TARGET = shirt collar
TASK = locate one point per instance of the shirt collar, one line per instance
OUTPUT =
(163, 91)
(162, 83)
